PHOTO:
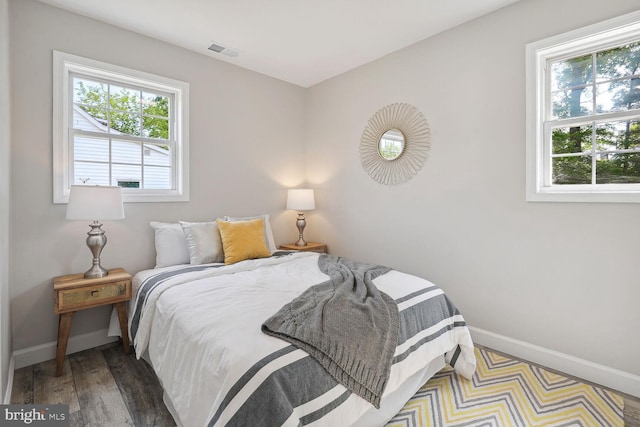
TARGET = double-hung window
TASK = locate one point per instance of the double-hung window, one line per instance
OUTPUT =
(583, 114)
(120, 127)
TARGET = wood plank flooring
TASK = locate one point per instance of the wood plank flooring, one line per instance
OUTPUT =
(104, 386)
(631, 412)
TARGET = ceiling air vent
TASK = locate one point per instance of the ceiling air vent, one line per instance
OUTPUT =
(223, 50)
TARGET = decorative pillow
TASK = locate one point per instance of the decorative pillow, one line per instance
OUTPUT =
(171, 245)
(243, 240)
(268, 234)
(203, 242)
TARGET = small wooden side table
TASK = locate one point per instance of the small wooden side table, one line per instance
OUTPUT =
(311, 247)
(73, 293)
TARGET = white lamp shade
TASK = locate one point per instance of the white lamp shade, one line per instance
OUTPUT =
(300, 199)
(95, 203)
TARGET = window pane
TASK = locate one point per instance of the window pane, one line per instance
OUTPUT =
(572, 170)
(90, 149)
(123, 99)
(157, 178)
(619, 168)
(571, 73)
(576, 139)
(154, 127)
(89, 92)
(157, 155)
(620, 95)
(125, 173)
(573, 103)
(608, 96)
(125, 152)
(90, 105)
(155, 105)
(126, 123)
(92, 119)
(619, 135)
(90, 173)
(619, 62)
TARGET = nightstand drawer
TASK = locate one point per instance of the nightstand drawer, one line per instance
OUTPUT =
(91, 296)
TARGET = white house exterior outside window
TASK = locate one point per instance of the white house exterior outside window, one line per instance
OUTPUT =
(117, 126)
(583, 114)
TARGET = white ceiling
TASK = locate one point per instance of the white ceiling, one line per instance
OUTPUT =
(300, 41)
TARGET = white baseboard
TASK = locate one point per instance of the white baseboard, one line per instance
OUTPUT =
(7, 394)
(590, 371)
(47, 351)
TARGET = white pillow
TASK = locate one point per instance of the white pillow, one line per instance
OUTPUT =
(268, 234)
(203, 242)
(171, 245)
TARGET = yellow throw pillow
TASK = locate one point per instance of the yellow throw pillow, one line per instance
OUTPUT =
(242, 240)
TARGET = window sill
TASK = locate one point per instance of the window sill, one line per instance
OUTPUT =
(166, 197)
(583, 196)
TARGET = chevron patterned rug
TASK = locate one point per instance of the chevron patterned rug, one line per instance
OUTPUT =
(505, 392)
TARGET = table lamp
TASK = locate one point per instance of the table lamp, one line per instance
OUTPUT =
(95, 203)
(300, 199)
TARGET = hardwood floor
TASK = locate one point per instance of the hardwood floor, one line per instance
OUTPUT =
(104, 386)
(631, 412)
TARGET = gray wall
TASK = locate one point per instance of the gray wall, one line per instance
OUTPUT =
(5, 137)
(245, 143)
(557, 275)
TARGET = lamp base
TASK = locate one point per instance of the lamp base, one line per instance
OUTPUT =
(96, 240)
(96, 271)
(301, 223)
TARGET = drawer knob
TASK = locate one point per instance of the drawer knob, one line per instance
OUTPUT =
(94, 293)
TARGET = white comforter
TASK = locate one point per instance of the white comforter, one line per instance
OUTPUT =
(201, 330)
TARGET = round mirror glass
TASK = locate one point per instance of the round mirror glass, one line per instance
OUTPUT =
(391, 144)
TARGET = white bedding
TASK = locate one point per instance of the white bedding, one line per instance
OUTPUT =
(201, 331)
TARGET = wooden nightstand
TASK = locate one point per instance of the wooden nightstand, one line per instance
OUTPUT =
(311, 247)
(73, 293)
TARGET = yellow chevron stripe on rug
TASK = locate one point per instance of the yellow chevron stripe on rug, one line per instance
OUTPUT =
(505, 392)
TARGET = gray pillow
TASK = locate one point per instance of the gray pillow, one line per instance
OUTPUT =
(203, 242)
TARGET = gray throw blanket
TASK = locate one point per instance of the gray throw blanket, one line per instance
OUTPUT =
(346, 324)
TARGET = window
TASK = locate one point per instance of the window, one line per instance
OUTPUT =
(583, 114)
(116, 126)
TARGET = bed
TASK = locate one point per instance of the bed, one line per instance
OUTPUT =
(200, 327)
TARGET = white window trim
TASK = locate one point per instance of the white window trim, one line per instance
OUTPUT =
(609, 33)
(63, 65)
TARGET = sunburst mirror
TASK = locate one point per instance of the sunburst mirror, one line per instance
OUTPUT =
(394, 144)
